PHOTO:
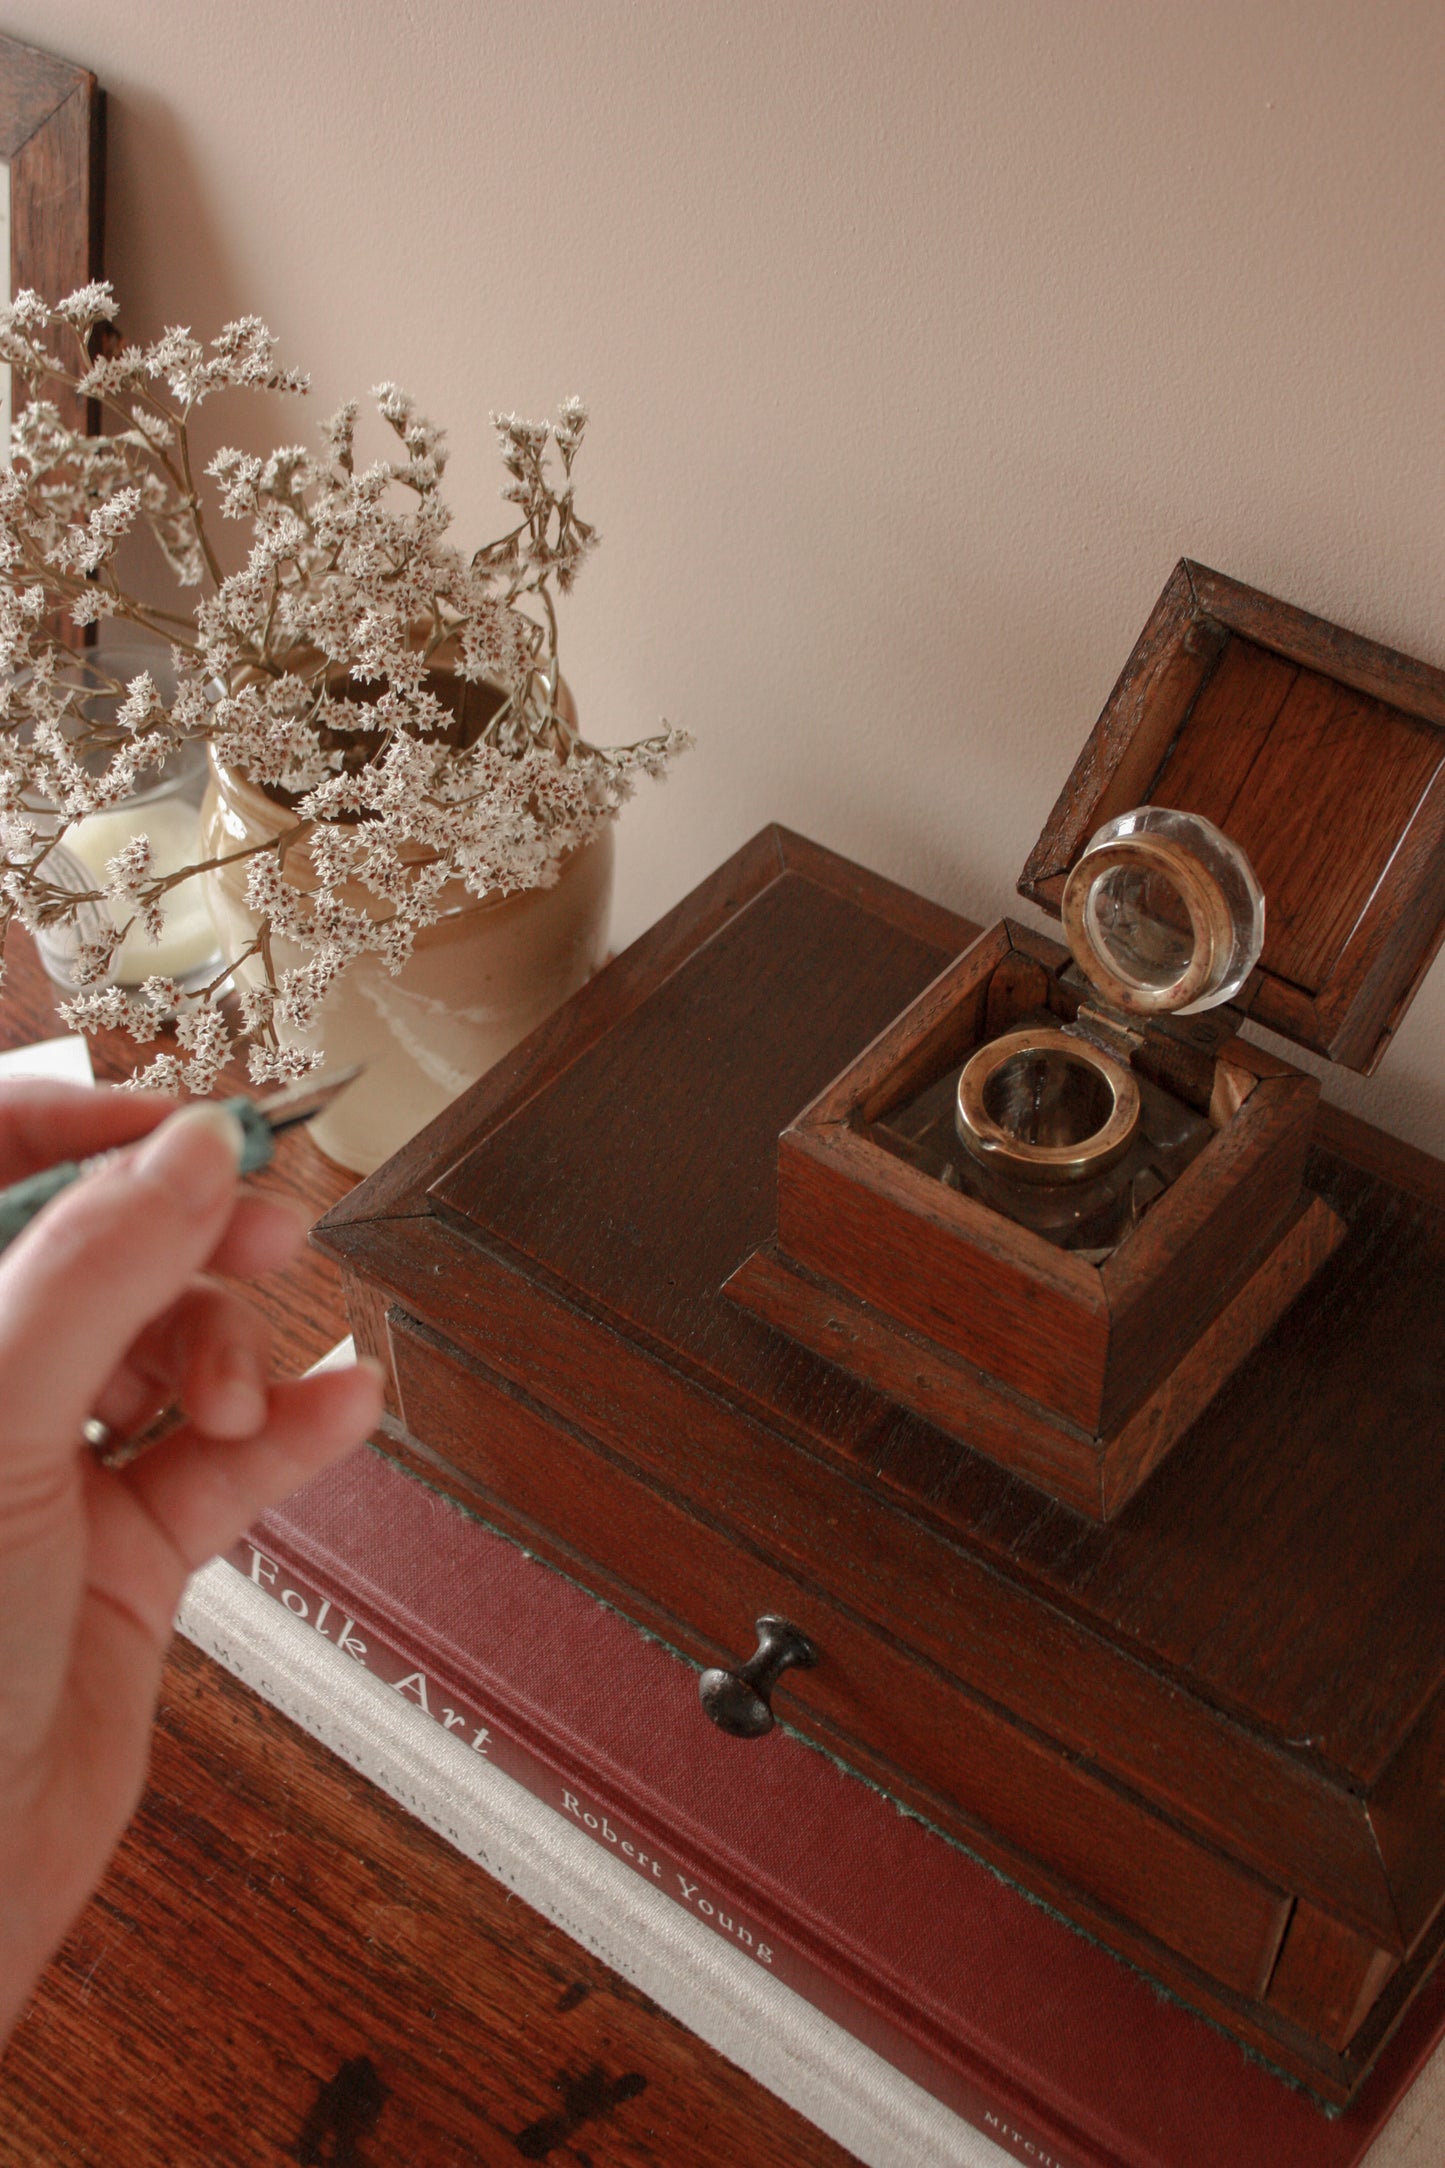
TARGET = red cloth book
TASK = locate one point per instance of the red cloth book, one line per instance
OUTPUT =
(1061, 2054)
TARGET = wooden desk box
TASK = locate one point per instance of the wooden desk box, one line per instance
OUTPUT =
(1211, 1732)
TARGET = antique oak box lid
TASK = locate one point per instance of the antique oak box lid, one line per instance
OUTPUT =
(1213, 1732)
(1322, 755)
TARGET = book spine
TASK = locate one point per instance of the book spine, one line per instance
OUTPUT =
(590, 1807)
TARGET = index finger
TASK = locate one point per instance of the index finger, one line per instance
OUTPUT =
(102, 1260)
(43, 1123)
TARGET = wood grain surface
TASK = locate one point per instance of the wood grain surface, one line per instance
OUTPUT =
(663, 1564)
(668, 1126)
(282, 1966)
(52, 136)
(1228, 1702)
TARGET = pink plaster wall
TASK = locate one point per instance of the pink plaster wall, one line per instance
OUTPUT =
(921, 340)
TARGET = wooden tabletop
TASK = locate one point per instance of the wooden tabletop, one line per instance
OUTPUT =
(282, 1966)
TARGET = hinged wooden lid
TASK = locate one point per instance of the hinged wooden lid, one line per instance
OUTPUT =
(1323, 755)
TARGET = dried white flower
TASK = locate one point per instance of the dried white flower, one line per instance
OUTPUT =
(87, 307)
(202, 1032)
(281, 1064)
(129, 870)
(400, 695)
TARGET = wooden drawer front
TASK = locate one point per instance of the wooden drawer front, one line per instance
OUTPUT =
(635, 1544)
(1231, 1790)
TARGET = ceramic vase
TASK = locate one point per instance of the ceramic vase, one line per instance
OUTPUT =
(477, 982)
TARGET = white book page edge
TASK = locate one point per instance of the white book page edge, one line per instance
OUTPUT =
(67, 1060)
(717, 1993)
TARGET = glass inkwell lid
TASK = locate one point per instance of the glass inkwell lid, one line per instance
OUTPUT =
(1163, 913)
(1164, 917)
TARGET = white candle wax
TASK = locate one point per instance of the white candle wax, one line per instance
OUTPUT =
(173, 826)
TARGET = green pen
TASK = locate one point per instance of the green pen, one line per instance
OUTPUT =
(261, 1120)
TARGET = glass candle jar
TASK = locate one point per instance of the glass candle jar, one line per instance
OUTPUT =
(167, 811)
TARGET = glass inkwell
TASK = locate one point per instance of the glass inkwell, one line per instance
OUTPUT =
(1059, 1131)
(165, 807)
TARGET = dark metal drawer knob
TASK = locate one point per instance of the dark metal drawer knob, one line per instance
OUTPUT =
(738, 1701)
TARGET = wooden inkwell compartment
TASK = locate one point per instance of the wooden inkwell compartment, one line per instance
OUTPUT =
(1048, 1227)
(1071, 1332)
(1209, 1728)
(1253, 828)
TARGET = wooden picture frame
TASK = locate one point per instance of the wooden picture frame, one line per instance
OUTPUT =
(52, 157)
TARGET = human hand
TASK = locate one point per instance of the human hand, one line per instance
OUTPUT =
(106, 1310)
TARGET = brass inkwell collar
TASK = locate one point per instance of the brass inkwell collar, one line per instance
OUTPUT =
(1164, 916)
(1044, 1107)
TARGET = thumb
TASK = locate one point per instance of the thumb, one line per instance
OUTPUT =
(106, 1257)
